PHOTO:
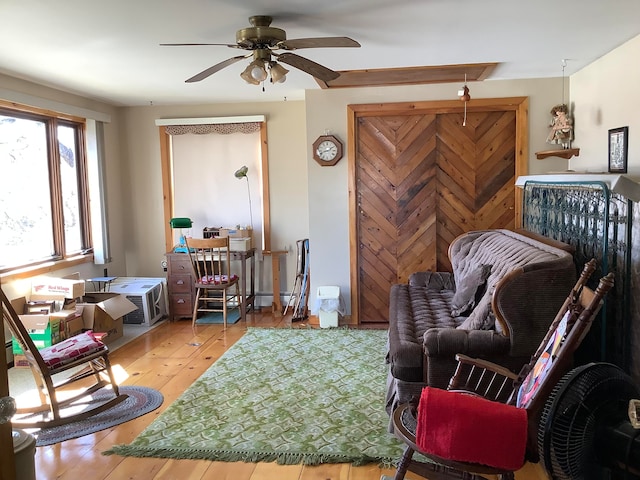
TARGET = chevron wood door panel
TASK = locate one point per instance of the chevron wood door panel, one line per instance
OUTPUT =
(475, 176)
(421, 180)
(396, 195)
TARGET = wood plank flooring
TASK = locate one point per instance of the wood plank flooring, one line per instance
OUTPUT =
(169, 358)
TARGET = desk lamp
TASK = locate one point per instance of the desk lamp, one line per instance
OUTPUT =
(181, 222)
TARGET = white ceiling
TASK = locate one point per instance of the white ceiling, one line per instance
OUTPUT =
(109, 50)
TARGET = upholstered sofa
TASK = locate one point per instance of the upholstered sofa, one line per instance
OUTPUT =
(504, 291)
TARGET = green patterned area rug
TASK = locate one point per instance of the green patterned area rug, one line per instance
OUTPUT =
(288, 395)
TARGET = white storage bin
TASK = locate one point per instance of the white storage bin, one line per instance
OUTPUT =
(24, 449)
(328, 300)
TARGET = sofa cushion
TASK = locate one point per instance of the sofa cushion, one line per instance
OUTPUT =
(414, 312)
(469, 289)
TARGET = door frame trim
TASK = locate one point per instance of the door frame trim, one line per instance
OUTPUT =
(519, 105)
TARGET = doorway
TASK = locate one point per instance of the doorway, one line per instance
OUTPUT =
(418, 178)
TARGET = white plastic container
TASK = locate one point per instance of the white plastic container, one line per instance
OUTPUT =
(24, 448)
(329, 303)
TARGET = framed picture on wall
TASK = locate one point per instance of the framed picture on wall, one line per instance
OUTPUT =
(618, 147)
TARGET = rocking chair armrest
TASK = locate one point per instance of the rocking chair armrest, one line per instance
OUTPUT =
(483, 378)
(486, 365)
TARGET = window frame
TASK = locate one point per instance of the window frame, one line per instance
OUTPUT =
(60, 258)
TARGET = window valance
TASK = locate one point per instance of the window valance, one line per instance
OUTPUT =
(221, 128)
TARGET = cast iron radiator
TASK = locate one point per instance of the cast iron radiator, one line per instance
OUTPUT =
(597, 222)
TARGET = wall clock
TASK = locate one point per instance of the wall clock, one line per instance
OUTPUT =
(327, 150)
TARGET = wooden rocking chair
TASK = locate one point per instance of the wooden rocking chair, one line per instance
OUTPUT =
(480, 378)
(84, 353)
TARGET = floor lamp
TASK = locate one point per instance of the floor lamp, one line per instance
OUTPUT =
(240, 174)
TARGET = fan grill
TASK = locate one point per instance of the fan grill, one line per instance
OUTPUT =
(571, 415)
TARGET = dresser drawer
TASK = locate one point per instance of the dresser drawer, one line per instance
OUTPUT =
(179, 264)
(179, 283)
(180, 304)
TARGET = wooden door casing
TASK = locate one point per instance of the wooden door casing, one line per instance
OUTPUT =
(417, 180)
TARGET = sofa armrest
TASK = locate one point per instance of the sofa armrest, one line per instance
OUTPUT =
(433, 280)
(447, 342)
(527, 317)
(440, 346)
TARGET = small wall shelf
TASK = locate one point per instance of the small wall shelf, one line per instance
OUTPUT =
(565, 153)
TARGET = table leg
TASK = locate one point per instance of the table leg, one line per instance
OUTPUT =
(275, 268)
(243, 287)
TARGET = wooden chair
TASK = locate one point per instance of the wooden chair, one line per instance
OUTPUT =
(214, 283)
(86, 363)
(498, 384)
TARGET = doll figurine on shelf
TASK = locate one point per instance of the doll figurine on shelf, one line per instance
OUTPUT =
(561, 126)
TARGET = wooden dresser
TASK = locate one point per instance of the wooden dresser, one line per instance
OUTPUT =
(180, 285)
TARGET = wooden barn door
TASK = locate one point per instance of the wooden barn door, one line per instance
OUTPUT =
(418, 180)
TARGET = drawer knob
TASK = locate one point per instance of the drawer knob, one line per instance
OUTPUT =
(180, 282)
(180, 300)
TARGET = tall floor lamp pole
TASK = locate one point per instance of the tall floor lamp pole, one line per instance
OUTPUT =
(240, 174)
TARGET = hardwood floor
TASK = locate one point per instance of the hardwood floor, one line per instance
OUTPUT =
(169, 358)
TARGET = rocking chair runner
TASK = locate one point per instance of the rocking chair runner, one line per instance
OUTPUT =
(528, 390)
(90, 356)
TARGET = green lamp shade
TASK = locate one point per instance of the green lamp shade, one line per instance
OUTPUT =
(180, 222)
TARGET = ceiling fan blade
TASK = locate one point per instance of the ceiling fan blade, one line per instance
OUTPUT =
(319, 42)
(199, 45)
(217, 67)
(312, 68)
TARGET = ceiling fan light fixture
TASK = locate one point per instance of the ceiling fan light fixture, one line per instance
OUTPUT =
(258, 72)
(278, 73)
(246, 76)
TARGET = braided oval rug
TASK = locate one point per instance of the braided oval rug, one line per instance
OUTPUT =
(140, 401)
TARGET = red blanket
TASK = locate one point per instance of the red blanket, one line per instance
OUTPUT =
(471, 429)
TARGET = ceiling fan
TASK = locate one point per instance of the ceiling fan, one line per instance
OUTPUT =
(262, 41)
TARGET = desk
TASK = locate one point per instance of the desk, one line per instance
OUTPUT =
(181, 285)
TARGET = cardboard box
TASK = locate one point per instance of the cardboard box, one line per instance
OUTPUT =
(103, 312)
(239, 244)
(20, 361)
(236, 233)
(44, 330)
(51, 288)
(71, 322)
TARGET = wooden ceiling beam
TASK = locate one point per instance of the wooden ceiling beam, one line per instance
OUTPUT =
(410, 75)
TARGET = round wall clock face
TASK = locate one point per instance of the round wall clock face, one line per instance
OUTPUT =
(327, 150)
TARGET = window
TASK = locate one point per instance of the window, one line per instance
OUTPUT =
(43, 195)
